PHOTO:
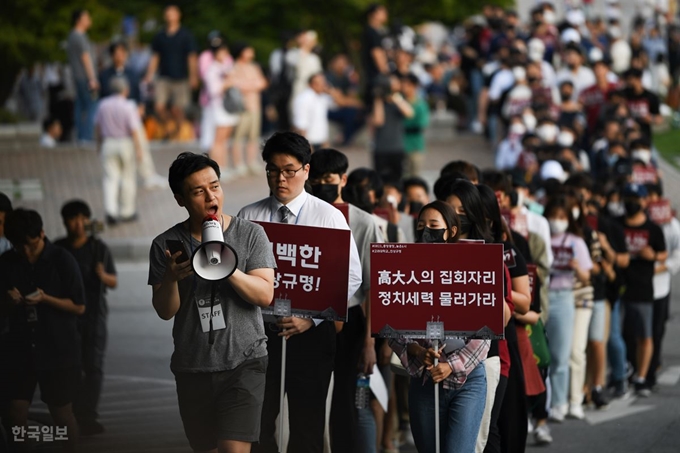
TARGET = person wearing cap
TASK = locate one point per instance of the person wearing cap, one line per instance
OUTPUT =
(579, 75)
(251, 82)
(644, 105)
(647, 246)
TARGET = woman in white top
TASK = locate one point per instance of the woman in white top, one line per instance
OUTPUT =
(217, 80)
(305, 61)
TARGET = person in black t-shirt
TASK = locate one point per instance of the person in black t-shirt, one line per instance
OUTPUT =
(643, 104)
(646, 245)
(99, 274)
(373, 56)
(41, 292)
(174, 56)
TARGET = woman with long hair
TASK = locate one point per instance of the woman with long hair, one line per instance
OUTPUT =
(460, 372)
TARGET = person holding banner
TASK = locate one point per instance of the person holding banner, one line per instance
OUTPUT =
(460, 371)
(572, 262)
(355, 347)
(312, 343)
(220, 386)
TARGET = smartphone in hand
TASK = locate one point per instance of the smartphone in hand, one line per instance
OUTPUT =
(174, 246)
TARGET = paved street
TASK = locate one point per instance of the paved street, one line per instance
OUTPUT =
(139, 407)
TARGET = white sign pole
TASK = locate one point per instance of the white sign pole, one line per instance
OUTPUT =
(282, 309)
(435, 345)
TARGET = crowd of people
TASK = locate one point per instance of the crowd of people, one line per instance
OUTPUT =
(576, 199)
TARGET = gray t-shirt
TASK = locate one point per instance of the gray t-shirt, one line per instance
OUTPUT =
(365, 232)
(244, 337)
(76, 45)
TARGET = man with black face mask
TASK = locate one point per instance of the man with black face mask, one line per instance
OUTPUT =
(646, 245)
(355, 351)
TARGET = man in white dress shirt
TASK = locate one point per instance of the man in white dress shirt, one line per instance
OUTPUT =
(311, 343)
(310, 111)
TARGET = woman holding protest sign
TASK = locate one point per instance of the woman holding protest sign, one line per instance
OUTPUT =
(460, 370)
(571, 264)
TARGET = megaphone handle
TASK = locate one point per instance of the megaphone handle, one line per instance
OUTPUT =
(211, 334)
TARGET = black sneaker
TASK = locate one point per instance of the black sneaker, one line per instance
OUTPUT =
(619, 388)
(598, 399)
(642, 390)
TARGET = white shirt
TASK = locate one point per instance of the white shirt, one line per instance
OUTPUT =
(310, 114)
(501, 82)
(508, 153)
(308, 210)
(539, 225)
(662, 281)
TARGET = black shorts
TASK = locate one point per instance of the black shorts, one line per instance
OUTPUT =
(224, 405)
(57, 387)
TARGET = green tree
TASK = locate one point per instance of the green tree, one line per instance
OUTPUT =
(36, 30)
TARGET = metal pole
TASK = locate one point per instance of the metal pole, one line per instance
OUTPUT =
(283, 391)
(435, 346)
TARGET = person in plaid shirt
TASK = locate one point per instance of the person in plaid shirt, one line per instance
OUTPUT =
(460, 371)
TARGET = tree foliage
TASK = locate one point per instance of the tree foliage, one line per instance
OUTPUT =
(35, 30)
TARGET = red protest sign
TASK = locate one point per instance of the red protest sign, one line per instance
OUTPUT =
(383, 213)
(660, 212)
(643, 175)
(344, 208)
(636, 240)
(312, 269)
(460, 285)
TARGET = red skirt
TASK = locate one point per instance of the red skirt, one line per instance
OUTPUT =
(533, 381)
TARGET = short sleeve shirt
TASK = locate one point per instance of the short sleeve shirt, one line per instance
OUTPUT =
(244, 337)
(51, 342)
(639, 275)
(92, 252)
(76, 45)
(173, 51)
(560, 278)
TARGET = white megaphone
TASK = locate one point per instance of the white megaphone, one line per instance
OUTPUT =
(214, 260)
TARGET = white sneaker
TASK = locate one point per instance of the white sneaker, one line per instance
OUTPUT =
(542, 435)
(155, 181)
(530, 426)
(557, 413)
(576, 411)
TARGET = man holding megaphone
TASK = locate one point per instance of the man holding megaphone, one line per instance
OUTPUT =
(220, 357)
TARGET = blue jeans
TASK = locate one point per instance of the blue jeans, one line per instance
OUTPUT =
(560, 331)
(460, 413)
(84, 111)
(367, 432)
(616, 347)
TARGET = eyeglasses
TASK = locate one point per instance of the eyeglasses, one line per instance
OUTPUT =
(288, 174)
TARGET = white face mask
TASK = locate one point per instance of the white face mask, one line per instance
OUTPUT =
(616, 209)
(549, 16)
(547, 133)
(565, 139)
(643, 155)
(529, 121)
(576, 213)
(517, 129)
(558, 226)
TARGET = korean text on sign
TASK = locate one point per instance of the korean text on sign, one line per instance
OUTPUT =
(312, 268)
(459, 284)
